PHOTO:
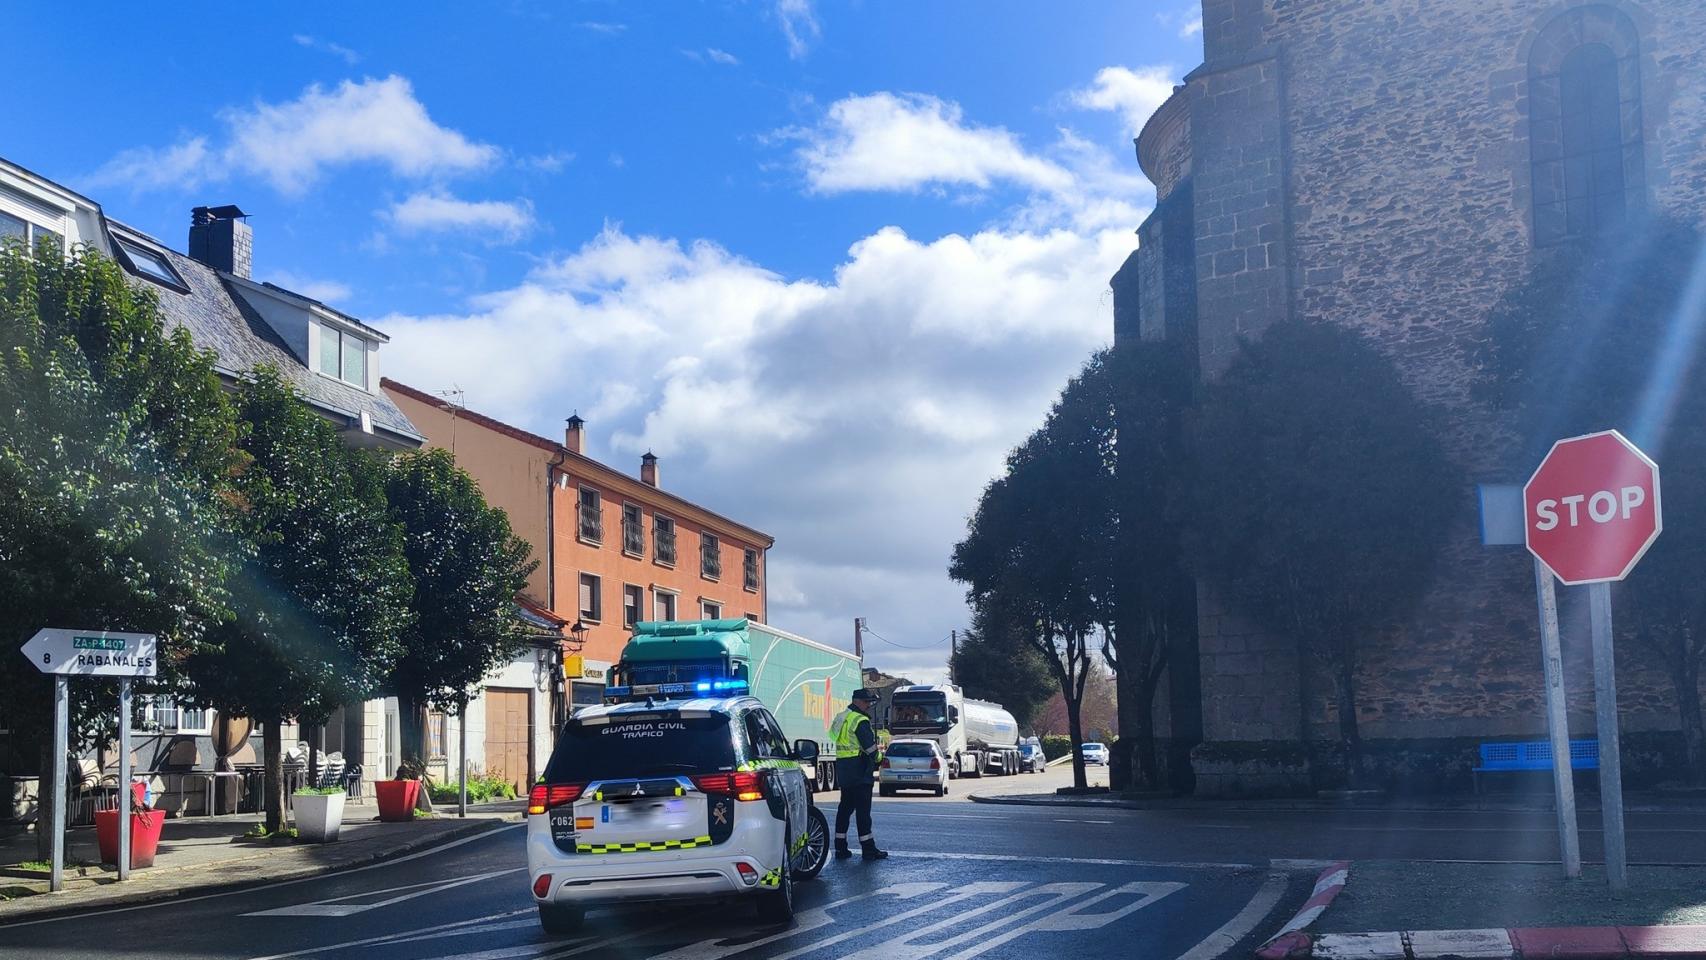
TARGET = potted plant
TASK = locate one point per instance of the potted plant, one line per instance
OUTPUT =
(145, 826)
(398, 798)
(319, 813)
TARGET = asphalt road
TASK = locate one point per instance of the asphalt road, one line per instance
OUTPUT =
(955, 888)
(967, 880)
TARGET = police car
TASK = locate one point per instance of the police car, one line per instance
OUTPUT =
(689, 798)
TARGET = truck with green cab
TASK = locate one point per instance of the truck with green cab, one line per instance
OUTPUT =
(805, 684)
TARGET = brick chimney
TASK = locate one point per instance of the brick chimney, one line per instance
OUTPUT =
(220, 237)
(574, 434)
(649, 469)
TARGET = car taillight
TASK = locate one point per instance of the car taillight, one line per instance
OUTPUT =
(545, 796)
(541, 886)
(935, 764)
(885, 763)
(742, 784)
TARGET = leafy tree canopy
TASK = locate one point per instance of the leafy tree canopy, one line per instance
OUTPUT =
(467, 568)
(115, 440)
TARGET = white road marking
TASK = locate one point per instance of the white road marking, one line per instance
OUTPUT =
(1015, 858)
(812, 919)
(1068, 820)
(1074, 917)
(916, 943)
(962, 893)
(1239, 927)
(313, 878)
(335, 907)
(449, 929)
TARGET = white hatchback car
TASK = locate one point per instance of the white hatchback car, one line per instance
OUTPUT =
(682, 799)
(910, 764)
(1095, 753)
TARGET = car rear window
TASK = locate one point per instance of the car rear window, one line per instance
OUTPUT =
(640, 745)
(909, 750)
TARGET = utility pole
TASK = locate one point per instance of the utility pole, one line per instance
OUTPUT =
(953, 657)
(859, 638)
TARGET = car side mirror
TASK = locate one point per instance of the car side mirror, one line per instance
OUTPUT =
(805, 751)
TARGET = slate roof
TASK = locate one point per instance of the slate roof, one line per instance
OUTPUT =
(221, 320)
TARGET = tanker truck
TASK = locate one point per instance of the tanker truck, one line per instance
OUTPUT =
(976, 736)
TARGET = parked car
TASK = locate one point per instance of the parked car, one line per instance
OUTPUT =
(1096, 753)
(690, 799)
(1031, 758)
(913, 764)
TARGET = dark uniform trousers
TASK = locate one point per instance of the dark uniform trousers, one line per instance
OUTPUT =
(855, 798)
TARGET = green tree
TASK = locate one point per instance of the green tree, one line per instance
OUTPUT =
(1036, 552)
(115, 440)
(467, 568)
(322, 596)
(1154, 594)
(1608, 336)
(1319, 498)
(995, 663)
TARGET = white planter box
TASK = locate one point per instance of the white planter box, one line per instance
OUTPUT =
(318, 816)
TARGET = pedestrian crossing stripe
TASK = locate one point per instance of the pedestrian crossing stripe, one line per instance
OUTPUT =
(640, 846)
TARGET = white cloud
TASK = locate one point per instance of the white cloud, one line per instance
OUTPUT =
(855, 417)
(1134, 94)
(431, 212)
(1188, 20)
(608, 29)
(326, 46)
(799, 25)
(712, 55)
(325, 291)
(1191, 27)
(887, 141)
(291, 144)
(183, 167)
(549, 162)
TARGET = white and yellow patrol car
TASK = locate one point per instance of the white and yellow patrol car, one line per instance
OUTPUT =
(692, 798)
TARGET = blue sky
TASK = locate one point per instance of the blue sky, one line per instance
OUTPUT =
(830, 261)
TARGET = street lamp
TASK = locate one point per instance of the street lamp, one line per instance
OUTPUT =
(577, 635)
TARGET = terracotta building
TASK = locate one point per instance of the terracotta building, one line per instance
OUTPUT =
(613, 548)
(1396, 168)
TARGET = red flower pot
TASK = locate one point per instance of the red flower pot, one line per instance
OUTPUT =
(397, 799)
(144, 836)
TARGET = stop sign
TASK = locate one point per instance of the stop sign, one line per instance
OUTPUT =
(1592, 508)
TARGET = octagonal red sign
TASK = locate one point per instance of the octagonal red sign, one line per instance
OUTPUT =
(1592, 508)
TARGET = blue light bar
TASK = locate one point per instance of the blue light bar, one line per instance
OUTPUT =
(702, 687)
(617, 691)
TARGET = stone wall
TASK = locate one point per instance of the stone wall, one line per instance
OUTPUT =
(1368, 164)
(1237, 164)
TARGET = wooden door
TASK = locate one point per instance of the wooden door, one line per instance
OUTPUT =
(509, 736)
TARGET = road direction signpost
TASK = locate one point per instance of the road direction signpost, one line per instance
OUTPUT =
(90, 653)
(1590, 512)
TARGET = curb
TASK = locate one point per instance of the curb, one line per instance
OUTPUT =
(1291, 941)
(1187, 803)
(1577, 943)
(135, 897)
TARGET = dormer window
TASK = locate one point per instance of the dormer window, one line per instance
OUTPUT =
(149, 264)
(343, 356)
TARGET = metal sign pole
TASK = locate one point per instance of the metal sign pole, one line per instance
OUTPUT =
(1557, 721)
(462, 758)
(1610, 755)
(61, 734)
(124, 788)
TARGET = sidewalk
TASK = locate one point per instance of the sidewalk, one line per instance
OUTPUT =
(206, 854)
(1419, 910)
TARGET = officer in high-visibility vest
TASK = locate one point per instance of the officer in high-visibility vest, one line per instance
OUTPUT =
(856, 772)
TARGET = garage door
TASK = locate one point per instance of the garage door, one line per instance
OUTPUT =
(509, 736)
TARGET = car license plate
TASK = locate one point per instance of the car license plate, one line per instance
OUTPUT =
(642, 812)
(563, 827)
